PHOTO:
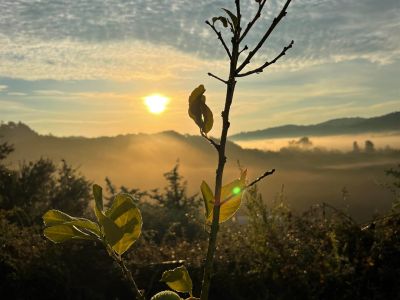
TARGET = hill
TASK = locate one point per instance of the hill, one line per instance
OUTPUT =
(139, 161)
(343, 126)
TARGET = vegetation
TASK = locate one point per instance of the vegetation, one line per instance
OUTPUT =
(275, 254)
(273, 250)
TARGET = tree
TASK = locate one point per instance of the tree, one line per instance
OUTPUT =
(369, 146)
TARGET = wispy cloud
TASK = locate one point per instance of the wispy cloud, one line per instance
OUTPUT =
(160, 39)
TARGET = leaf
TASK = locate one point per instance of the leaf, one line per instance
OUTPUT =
(166, 295)
(62, 233)
(232, 17)
(208, 198)
(178, 279)
(223, 20)
(231, 195)
(111, 231)
(126, 216)
(231, 198)
(199, 111)
(98, 196)
(56, 217)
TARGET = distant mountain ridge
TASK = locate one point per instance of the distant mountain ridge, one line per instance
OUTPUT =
(389, 122)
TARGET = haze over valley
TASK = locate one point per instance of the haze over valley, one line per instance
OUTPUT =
(351, 179)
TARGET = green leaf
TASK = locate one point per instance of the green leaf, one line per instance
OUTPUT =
(231, 195)
(98, 196)
(62, 233)
(126, 216)
(208, 198)
(56, 217)
(166, 295)
(178, 279)
(199, 111)
(231, 198)
(111, 231)
(233, 18)
(223, 20)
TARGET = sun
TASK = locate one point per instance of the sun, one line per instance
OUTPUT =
(156, 103)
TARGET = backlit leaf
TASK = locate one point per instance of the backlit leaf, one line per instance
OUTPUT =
(208, 198)
(126, 216)
(199, 111)
(56, 217)
(166, 295)
(231, 198)
(62, 233)
(178, 279)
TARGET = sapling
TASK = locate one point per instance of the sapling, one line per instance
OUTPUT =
(118, 227)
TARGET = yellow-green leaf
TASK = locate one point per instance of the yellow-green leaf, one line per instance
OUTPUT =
(56, 217)
(178, 279)
(166, 295)
(199, 111)
(126, 216)
(231, 198)
(98, 196)
(62, 233)
(208, 198)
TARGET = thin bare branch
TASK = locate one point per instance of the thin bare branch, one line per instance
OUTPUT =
(239, 18)
(220, 38)
(216, 77)
(268, 173)
(244, 49)
(261, 68)
(212, 142)
(252, 22)
(265, 37)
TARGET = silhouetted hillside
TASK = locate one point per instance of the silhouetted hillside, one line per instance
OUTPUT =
(389, 122)
(140, 160)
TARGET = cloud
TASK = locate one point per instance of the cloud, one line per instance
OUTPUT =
(122, 40)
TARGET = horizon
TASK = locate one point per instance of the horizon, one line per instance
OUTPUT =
(2, 122)
(85, 68)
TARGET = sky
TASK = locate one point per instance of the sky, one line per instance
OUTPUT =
(83, 67)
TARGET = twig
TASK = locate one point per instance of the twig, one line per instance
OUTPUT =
(265, 37)
(239, 18)
(212, 142)
(244, 49)
(268, 173)
(251, 23)
(261, 68)
(216, 77)
(220, 38)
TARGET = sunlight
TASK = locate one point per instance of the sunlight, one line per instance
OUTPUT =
(156, 103)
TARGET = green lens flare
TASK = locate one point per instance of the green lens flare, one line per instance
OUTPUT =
(236, 190)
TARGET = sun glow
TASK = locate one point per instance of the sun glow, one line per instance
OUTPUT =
(156, 103)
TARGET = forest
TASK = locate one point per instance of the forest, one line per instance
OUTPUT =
(322, 253)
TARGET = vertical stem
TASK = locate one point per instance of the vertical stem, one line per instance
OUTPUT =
(127, 274)
(212, 242)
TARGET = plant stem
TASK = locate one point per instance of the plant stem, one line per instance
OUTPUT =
(212, 242)
(127, 274)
